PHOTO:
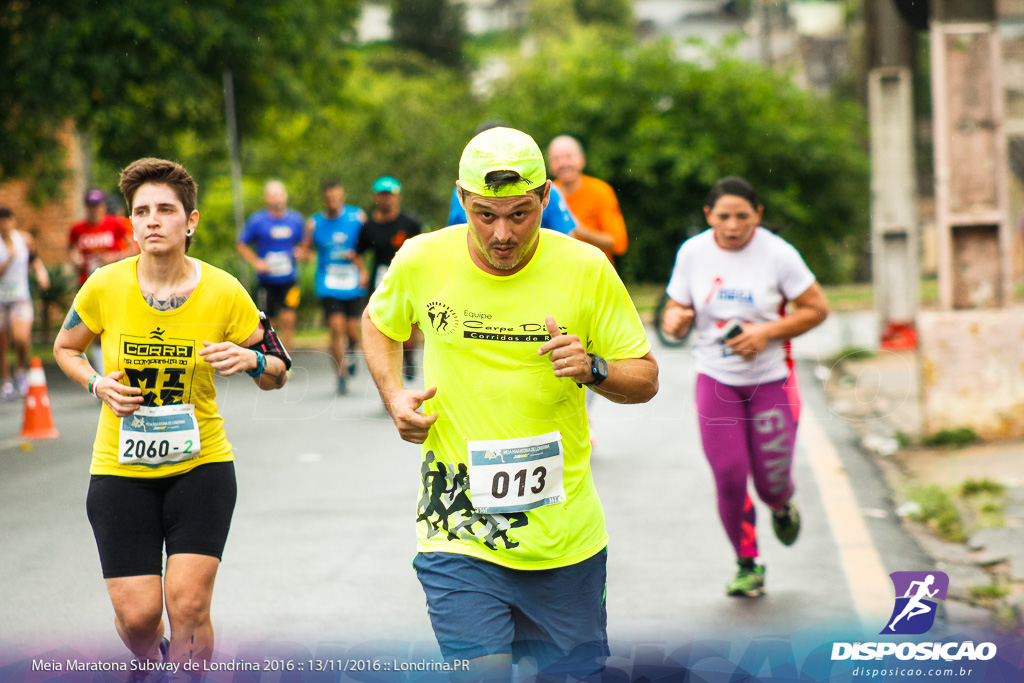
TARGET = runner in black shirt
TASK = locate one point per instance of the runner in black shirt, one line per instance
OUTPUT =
(384, 232)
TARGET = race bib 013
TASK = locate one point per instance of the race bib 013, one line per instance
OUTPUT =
(514, 475)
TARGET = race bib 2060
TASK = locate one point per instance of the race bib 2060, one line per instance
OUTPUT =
(155, 436)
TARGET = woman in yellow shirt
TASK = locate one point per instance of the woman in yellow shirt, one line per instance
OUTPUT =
(162, 470)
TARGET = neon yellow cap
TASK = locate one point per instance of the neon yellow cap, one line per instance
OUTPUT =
(502, 149)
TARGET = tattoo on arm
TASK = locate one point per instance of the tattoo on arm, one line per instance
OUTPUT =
(80, 355)
(73, 320)
(278, 377)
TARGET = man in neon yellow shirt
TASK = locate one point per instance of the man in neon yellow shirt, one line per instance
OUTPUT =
(517, 321)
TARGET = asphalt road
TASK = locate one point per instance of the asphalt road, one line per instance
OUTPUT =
(323, 533)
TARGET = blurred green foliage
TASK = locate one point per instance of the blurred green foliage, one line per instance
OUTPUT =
(443, 42)
(145, 80)
(135, 76)
(953, 438)
(394, 115)
(662, 131)
(938, 511)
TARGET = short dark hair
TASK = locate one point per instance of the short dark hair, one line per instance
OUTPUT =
(5, 212)
(735, 186)
(330, 184)
(160, 172)
(498, 179)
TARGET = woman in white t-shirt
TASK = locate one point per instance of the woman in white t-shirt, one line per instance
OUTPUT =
(733, 283)
(17, 258)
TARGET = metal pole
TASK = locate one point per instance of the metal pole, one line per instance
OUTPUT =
(236, 162)
(765, 34)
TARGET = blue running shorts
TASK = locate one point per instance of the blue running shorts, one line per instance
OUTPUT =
(556, 616)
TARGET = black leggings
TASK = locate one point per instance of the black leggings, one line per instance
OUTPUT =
(132, 518)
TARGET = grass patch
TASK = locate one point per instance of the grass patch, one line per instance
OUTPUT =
(848, 353)
(986, 500)
(1006, 617)
(929, 291)
(850, 297)
(977, 487)
(955, 438)
(991, 591)
(991, 516)
(938, 511)
(645, 296)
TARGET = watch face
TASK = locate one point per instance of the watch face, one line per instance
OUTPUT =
(600, 367)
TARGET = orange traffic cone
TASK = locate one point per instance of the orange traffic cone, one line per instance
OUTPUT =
(38, 422)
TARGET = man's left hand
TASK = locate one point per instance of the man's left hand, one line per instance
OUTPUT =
(567, 355)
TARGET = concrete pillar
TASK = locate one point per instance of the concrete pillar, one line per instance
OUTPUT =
(894, 226)
(971, 164)
(971, 356)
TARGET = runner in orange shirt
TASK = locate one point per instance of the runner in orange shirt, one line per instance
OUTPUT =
(591, 201)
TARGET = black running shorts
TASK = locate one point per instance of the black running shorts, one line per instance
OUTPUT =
(274, 298)
(133, 518)
(350, 308)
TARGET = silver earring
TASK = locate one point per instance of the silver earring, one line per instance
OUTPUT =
(188, 233)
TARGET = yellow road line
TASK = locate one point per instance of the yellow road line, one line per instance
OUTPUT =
(869, 583)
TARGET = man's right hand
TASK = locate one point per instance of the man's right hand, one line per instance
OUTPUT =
(261, 266)
(412, 426)
(677, 319)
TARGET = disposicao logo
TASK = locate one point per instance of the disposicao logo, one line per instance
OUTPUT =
(917, 596)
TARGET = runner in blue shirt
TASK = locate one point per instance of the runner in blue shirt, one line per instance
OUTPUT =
(341, 277)
(268, 244)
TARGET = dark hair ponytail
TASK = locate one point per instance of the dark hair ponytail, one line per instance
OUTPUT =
(732, 185)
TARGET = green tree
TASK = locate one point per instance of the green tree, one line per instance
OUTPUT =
(663, 131)
(616, 13)
(552, 19)
(435, 29)
(393, 115)
(133, 76)
(556, 19)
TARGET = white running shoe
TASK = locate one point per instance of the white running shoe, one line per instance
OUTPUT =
(7, 391)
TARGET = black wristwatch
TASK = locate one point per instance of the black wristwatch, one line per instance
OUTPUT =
(598, 370)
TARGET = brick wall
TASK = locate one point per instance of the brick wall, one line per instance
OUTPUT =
(50, 222)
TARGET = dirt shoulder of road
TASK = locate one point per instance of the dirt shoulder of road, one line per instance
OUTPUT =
(962, 502)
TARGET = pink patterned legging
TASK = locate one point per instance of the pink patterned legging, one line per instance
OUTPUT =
(748, 432)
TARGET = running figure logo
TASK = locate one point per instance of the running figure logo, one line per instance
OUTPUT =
(442, 318)
(446, 508)
(917, 596)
